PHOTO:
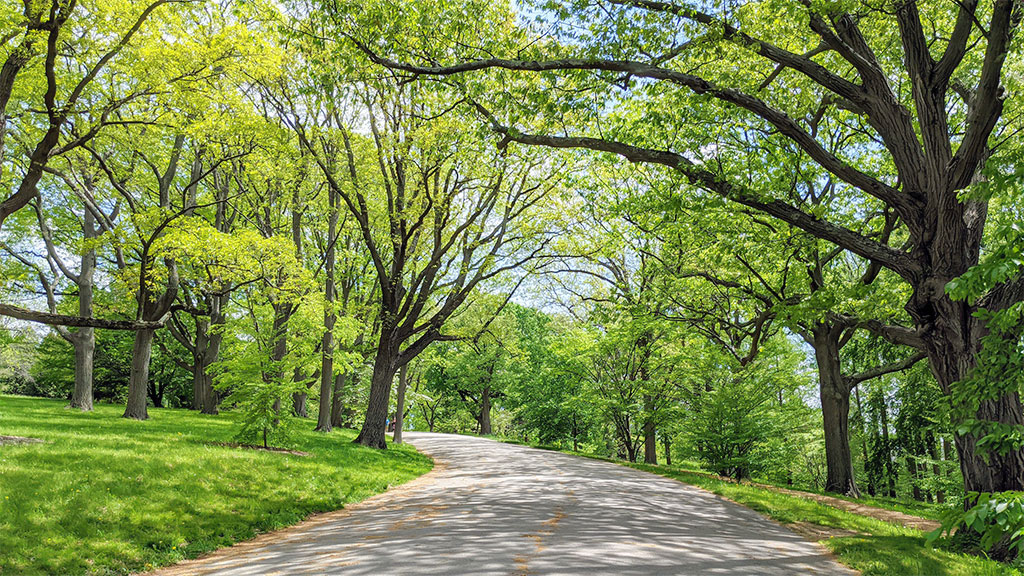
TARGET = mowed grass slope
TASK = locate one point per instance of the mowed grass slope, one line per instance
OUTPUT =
(106, 495)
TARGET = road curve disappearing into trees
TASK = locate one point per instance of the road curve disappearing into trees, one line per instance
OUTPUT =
(498, 509)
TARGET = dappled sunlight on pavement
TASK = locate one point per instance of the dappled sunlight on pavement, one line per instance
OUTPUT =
(499, 509)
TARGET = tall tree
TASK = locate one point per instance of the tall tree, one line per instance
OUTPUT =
(921, 107)
(75, 120)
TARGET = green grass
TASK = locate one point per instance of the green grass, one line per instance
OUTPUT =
(105, 495)
(881, 548)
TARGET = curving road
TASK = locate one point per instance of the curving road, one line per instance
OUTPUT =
(498, 509)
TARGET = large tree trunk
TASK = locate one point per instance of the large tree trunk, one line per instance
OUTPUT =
(650, 436)
(403, 382)
(85, 347)
(835, 411)
(485, 411)
(384, 368)
(215, 336)
(84, 340)
(138, 382)
(300, 401)
(952, 343)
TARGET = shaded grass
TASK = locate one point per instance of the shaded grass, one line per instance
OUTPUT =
(105, 495)
(881, 548)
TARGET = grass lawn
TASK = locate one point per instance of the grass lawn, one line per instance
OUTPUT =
(880, 548)
(106, 495)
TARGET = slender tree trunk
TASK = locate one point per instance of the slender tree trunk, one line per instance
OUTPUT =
(198, 363)
(864, 440)
(300, 399)
(384, 368)
(327, 381)
(323, 423)
(197, 382)
(887, 447)
(835, 412)
(650, 433)
(282, 313)
(668, 449)
(336, 399)
(138, 382)
(915, 483)
(933, 451)
(630, 452)
(403, 382)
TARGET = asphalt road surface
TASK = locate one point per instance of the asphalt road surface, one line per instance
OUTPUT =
(499, 509)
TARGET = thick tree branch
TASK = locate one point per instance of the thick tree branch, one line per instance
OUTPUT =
(76, 321)
(778, 119)
(878, 371)
(863, 246)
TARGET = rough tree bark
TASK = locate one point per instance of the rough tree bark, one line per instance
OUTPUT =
(650, 433)
(336, 399)
(385, 366)
(403, 382)
(84, 339)
(485, 411)
(835, 411)
(138, 383)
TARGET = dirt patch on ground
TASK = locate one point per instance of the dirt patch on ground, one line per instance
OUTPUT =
(892, 516)
(817, 532)
(18, 440)
(905, 520)
(258, 447)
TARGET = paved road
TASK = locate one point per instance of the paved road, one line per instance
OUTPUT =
(499, 509)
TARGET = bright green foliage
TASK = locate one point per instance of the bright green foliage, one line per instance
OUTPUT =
(746, 421)
(994, 517)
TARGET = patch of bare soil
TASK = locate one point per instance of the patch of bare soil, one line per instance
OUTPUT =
(18, 440)
(258, 447)
(817, 532)
(892, 516)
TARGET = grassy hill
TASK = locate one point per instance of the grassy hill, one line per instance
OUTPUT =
(106, 495)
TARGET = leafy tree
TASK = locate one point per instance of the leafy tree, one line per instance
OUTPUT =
(920, 107)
